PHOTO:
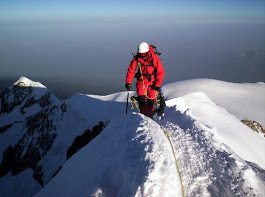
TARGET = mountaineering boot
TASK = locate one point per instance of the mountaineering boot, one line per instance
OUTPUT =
(159, 111)
(162, 105)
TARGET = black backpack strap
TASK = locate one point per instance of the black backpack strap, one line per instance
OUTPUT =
(155, 50)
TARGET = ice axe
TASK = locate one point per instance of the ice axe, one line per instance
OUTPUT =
(127, 102)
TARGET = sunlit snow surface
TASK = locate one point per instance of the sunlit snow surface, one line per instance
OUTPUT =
(133, 157)
(243, 100)
(216, 153)
(26, 82)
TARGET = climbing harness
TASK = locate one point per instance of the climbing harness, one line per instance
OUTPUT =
(145, 87)
(168, 137)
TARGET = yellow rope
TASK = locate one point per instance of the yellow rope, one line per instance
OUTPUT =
(168, 137)
(135, 102)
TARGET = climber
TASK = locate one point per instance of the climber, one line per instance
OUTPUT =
(147, 68)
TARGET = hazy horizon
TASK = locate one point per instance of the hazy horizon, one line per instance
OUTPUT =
(86, 47)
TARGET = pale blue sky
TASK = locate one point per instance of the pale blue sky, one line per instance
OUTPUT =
(194, 10)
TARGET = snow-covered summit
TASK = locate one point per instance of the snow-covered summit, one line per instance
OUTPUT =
(24, 97)
(25, 82)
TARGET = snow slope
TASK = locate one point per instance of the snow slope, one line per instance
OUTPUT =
(216, 153)
(133, 157)
(129, 158)
(244, 100)
(15, 108)
(37, 126)
(208, 166)
(239, 99)
(227, 128)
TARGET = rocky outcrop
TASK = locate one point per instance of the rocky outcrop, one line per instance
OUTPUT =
(255, 126)
(84, 139)
(34, 144)
(13, 96)
(6, 127)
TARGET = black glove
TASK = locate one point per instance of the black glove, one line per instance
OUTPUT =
(128, 86)
(156, 88)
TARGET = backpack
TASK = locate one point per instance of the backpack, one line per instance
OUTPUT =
(154, 50)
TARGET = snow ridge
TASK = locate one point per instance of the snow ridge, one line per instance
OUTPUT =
(208, 167)
(131, 157)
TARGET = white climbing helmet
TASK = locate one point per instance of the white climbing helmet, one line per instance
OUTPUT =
(143, 47)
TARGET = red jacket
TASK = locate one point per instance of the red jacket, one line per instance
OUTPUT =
(152, 69)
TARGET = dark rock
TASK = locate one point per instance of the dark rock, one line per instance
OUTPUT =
(12, 97)
(254, 125)
(84, 139)
(59, 169)
(4, 128)
(64, 107)
(33, 145)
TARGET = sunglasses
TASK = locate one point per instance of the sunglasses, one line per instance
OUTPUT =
(143, 54)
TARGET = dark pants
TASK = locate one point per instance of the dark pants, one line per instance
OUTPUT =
(146, 106)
